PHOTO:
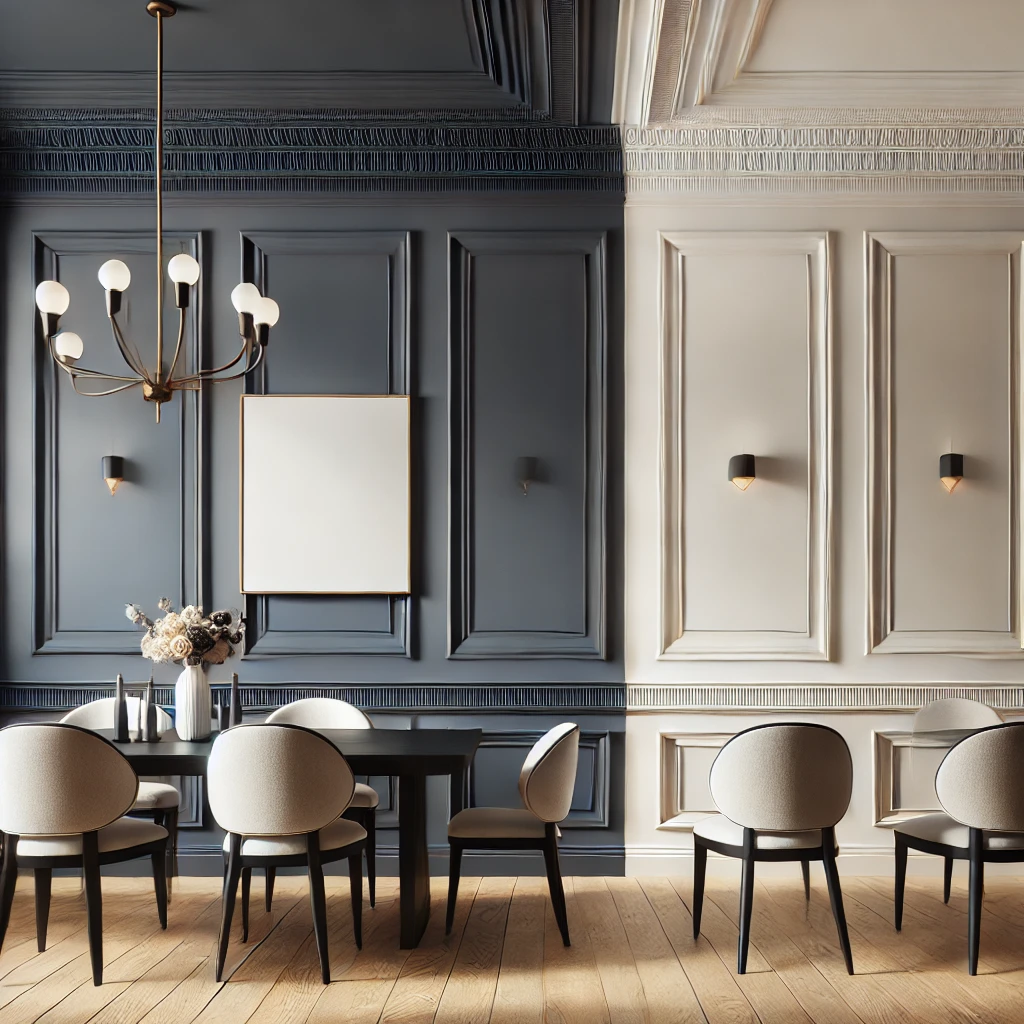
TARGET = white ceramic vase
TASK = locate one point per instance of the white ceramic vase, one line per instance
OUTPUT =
(192, 704)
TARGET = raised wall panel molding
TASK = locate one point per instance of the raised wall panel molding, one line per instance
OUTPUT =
(675, 813)
(837, 697)
(888, 748)
(62, 151)
(258, 252)
(49, 637)
(677, 643)
(385, 697)
(464, 640)
(775, 155)
(882, 635)
(597, 814)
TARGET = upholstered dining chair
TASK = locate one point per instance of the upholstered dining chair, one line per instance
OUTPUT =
(328, 713)
(158, 800)
(546, 784)
(953, 713)
(279, 792)
(64, 792)
(780, 790)
(978, 786)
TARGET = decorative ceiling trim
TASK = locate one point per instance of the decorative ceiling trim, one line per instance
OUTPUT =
(726, 152)
(110, 152)
(677, 55)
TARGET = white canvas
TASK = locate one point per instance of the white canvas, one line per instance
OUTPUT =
(324, 494)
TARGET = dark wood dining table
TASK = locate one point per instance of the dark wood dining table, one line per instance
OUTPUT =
(410, 754)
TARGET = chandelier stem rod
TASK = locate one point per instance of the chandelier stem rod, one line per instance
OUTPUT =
(159, 200)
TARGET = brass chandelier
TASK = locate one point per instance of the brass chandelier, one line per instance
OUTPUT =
(256, 313)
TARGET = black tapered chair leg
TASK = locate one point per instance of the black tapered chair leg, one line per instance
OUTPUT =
(555, 888)
(901, 880)
(976, 890)
(835, 893)
(947, 878)
(44, 877)
(454, 866)
(160, 885)
(8, 880)
(268, 896)
(700, 869)
(171, 857)
(370, 824)
(93, 902)
(805, 870)
(232, 873)
(318, 901)
(746, 899)
(355, 881)
(246, 886)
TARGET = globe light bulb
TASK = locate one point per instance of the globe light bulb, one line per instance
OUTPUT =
(183, 269)
(244, 297)
(115, 276)
(52, 297)
(266, 312)
(68, 346)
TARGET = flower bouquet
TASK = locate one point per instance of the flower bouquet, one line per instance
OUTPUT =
(195, 641)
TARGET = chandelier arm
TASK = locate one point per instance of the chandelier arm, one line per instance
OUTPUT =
(251, 365)
(128, 354)
(207, 374)
(100, 394)
(83, 371)
(177, 347)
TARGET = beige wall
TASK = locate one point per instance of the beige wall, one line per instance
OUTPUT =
(847, 347)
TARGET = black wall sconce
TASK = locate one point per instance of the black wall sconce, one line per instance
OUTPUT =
(113, 471)
(526, 472)
(741, 471)
(951, 470)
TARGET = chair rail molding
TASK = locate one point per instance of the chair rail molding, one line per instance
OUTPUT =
(676, 643)
(881, 252)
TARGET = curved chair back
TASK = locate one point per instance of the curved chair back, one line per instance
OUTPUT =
(783, 778)
(276, 780)
(548, 776)
(99, 714)
(321, 713)
(58, 779)
(978, 782)
(955, 713)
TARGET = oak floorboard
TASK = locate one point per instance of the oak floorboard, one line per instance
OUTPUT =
(519, 996)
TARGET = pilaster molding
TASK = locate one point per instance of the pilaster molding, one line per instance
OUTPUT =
(676, 643)
(882, 635)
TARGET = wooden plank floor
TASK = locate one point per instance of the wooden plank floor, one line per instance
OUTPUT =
(632, 960)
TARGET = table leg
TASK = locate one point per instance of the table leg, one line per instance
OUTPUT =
(413, 859)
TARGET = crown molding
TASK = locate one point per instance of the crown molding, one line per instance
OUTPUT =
(772, 154)
(87, 152)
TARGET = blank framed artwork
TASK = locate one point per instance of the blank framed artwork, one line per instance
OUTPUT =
(324, 494)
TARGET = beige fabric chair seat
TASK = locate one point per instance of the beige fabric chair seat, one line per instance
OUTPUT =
(339, 833)
(941, 828)
(719, 829)
(155, 796)
(118, 835)
(496, 823)
(364, 796)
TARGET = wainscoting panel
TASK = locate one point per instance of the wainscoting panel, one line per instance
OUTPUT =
(353, 289)
(527, 364)
(79, 590)
(943, 376)
(745, 365)
(686, 760)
